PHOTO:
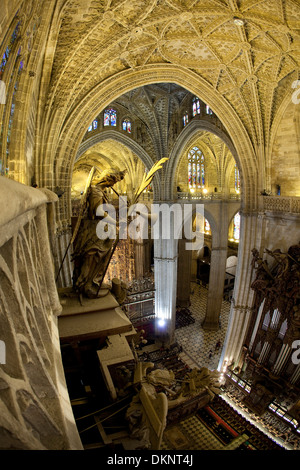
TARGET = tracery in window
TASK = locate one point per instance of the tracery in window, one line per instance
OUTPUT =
(110, 117)
(126, 125)
(196, 168)
(196, 106)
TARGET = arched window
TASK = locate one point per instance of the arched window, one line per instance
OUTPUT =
(90, 128)
(95, 124)
(196, 168)
(185, 119)
(237, 183)
(208, 110)
(110, 117)
(9, 47)
(196, 106)
(207, 226)
(8, 90)
(236, 226)
(126, 126)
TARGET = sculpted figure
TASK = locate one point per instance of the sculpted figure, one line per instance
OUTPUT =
(91, 253)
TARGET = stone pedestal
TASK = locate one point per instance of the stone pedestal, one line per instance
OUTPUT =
(98, 318)
(95, 318)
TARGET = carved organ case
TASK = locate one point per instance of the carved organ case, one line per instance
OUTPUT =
(275, 325)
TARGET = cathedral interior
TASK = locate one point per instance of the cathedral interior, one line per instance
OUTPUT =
(145, 342)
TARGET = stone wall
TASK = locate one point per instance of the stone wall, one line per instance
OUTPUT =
(285, 164)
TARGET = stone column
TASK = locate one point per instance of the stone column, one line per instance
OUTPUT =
(165, 275)
(217, 271)
(183, 274)
(252, 231)
(142, 258)
(216, 288)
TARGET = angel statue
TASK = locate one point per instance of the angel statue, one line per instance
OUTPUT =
(91, 253)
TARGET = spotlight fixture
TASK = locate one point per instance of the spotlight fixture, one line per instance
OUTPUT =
(161, 322)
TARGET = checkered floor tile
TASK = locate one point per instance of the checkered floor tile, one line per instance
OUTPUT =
(193, 434)
(196, 342)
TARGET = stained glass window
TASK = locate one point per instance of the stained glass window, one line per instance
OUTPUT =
(196, 106)
(196, 168)
(90, 128)
(126, 125)
(237, 183)
(95, 124)
(11, 115)
(9, 47)
(190, 174)
(236, 226)
(185, 119)
(110, 117)
(208, 110)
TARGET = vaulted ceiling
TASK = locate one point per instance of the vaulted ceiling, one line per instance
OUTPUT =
(251, 62)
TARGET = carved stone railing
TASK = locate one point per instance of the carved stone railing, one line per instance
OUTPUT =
(282, 204)
(35, 410)
(188, 196)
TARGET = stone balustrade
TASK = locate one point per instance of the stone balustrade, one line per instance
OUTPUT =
(35, 410)
(282, 204)
(188, 196)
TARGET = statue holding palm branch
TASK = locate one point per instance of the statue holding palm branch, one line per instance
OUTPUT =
(91, 254)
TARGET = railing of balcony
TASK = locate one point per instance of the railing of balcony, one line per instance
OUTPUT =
(282, 204)
(36, 412)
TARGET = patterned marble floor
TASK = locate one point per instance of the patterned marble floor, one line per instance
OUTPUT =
(198, 351)
(198, 345)
(190, 434)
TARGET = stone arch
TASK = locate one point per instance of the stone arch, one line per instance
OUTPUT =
(63, 140)
(273, 132)
(128, 142)
(184, 141)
